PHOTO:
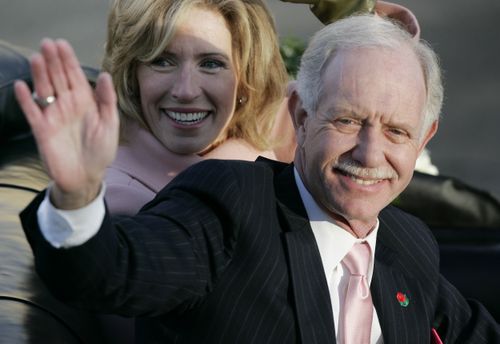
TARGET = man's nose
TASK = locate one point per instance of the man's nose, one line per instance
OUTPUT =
(186, 86)
(369, 149)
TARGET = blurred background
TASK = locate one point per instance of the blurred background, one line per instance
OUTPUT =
(465, 34)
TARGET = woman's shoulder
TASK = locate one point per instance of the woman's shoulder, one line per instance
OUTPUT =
(234, 149)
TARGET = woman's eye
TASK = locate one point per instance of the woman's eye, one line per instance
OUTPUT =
(161, 63)
(212, 64)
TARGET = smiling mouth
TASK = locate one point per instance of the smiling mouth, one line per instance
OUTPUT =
(365, 180)
(187, 118)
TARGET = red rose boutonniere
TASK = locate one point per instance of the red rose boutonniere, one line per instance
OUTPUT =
(402, 299)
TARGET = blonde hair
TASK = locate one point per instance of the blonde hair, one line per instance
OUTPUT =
(140, 30)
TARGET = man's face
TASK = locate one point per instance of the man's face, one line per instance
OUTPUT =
(358, 152)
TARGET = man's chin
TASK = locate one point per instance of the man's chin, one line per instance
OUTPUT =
(361, 211)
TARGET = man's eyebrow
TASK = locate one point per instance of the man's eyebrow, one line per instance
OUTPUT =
(348, 110)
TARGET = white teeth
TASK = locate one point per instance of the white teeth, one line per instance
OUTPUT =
(187, 118)
(364, 175)
(364, 181)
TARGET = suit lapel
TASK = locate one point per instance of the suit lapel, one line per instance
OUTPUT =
(400, 321)
(386, 283)
(309, 287)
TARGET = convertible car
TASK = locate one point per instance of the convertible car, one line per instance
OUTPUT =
(466, 222)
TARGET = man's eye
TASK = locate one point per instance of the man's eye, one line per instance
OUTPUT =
(347, 121)
(347, 124)
(397, 135)
(397, 132)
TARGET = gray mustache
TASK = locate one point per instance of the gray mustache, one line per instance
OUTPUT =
(351, 167)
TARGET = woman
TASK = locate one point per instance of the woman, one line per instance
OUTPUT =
(195, 79)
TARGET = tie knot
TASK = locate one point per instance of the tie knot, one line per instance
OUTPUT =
(358, 259)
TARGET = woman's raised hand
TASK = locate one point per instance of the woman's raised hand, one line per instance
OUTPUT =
(77, 131)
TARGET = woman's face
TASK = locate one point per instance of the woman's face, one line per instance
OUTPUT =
(188, 93)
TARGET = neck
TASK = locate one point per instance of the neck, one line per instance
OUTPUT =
(358, 229)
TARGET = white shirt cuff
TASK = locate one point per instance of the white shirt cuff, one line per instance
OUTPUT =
(70, 228)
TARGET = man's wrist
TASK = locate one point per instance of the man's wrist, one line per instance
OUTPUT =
(69, 228)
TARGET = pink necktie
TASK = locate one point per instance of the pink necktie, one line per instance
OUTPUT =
(358, 307)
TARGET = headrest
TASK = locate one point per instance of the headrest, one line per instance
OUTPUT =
(14, 65)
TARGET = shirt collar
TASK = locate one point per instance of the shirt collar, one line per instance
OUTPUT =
(333, 241)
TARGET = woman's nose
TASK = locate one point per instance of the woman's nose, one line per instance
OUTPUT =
(186, 85)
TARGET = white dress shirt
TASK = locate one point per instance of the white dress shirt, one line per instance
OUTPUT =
(69, 228)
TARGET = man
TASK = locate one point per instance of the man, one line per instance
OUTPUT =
(238, 252)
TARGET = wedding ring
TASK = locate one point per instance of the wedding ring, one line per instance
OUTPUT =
(43, 102)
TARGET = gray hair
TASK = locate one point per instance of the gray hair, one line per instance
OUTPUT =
(362, 31)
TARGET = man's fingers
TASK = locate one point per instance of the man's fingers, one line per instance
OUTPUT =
(30, 108)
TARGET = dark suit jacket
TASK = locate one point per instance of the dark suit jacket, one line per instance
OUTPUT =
(225, 254)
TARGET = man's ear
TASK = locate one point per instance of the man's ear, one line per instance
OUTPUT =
(298, 114)
(428, 135)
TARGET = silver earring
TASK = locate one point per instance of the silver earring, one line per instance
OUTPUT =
(242, 100)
